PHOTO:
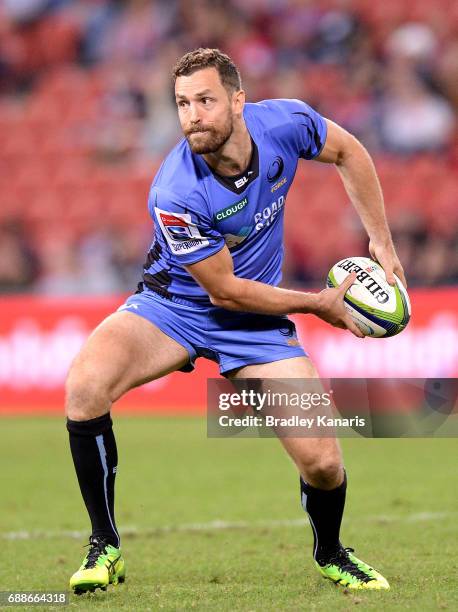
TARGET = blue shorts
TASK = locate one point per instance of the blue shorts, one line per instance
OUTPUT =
(232, 339)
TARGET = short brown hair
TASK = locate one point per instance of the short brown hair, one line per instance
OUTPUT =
(209, 58)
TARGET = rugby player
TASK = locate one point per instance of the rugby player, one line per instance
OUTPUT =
(210, 290)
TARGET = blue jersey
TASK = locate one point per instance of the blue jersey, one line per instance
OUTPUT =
(196, 212)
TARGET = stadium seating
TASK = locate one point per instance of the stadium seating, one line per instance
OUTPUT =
(62, 159)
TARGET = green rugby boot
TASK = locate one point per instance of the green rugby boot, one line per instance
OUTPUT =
(103, 565)
(347, 570)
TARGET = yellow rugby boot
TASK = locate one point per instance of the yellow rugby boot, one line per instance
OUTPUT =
(103, 565)
(347, 570)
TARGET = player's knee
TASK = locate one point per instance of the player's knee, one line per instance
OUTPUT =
(86, 396)
(324, 472)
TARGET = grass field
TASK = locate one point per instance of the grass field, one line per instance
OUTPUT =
(217, 524)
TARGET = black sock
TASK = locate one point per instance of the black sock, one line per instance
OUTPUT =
(95, 458)
(325, 510)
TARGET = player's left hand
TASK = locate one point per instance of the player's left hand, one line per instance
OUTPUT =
(386, 256)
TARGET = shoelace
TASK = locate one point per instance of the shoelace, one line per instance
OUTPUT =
(343, 561)
(97, 549)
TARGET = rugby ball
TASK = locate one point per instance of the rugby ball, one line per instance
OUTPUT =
(377, 308)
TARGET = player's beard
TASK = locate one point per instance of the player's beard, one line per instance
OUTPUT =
(209, 140)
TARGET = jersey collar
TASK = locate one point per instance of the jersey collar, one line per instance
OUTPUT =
(239, 182)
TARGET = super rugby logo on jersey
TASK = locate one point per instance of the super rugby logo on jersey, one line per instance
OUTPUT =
(182, 235)
(176, 228)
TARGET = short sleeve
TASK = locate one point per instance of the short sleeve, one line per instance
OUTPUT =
(310, 128)
(183, 227)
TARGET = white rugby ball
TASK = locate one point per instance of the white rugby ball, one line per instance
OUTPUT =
(377, 308)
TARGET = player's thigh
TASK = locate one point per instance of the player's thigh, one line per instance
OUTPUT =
(317, 459)
(124, 351)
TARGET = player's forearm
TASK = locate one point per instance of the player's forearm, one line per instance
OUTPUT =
(359, 177)
(245, 295)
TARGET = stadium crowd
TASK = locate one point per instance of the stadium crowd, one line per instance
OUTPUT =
(87, 113)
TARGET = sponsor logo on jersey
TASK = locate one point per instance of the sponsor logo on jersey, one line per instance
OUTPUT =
(279, 184)
(233, 240)
(265, 218)
(182, 235)
(275, 169)
(231, 210)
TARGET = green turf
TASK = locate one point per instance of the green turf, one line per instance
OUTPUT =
(171, 476)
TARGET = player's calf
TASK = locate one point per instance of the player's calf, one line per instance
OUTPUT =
(95, 457)
(333, 561)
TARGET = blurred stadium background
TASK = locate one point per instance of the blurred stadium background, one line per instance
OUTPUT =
(87, 114)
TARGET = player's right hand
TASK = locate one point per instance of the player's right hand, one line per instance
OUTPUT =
(331, 308)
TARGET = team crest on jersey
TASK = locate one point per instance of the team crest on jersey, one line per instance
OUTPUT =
(275, 169)
(182, 235)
